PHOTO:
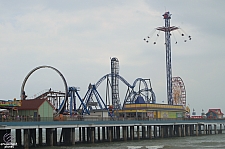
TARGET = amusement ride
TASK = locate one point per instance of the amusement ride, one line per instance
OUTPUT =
(140, 91)
(172, 88)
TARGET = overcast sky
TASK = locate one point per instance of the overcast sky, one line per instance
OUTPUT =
(79, 37)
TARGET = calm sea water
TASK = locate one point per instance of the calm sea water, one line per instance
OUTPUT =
(194, 142)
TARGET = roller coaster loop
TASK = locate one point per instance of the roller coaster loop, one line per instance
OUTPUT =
(23, 95)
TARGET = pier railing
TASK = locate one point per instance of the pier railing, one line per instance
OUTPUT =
(30, 119)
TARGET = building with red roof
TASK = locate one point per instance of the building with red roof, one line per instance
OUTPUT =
(214, 114)
(36, 108)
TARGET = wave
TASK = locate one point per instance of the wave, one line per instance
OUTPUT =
(146, 147)
(154, 147)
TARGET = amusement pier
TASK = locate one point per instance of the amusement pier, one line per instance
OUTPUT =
(65, 118)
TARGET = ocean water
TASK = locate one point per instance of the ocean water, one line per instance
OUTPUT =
(193, 142)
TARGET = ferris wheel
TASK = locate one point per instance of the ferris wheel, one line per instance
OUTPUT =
(178, 91)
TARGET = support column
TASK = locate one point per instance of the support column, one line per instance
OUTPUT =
(49, 137)
(26, 139)
(88, 134)
(67, 135)
(138, 133)
(162, 131)
(209, 127)
(200, 129)
(155, 131)
(55, 137)
(124, 133)
(170, 131)
(204, 130)
(196, 129)
(99, 136)
(150, 132)
(132, 132)
(188, 130)
(179, 130)
(40, 136)
(159, 135)
(147, 131)
(92, 136)
(175, 131)
(143, 132)
(83, 134)
(215, 129)
(110, 134)
(33, 137)
(80, 138)
(184, 130)
(115, 133)
(166, 132)
(127, 130)
(118, 132)
(73, 136)
(220, 131)
(193, 130)
(107, 133)
(103, 134)
(18, 137)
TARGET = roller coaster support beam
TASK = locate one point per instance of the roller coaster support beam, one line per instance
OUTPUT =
(89, 98)
(74, 91)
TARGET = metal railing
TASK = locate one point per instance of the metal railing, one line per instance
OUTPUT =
(25, 119)
(79, 118)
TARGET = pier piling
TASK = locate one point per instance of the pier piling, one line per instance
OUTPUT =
(106, 133)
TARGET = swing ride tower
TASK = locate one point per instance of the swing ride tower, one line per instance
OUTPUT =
(167, 29)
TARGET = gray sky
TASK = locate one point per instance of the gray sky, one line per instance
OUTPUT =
(79, 37)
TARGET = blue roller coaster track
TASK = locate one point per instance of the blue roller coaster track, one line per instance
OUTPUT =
(131, 95)
(92, 98)
(147, 88)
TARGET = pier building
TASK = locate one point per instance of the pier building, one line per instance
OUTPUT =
(153, 111)
(36, 108)
(214, 114)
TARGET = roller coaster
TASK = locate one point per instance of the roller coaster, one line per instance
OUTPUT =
(138, 92)
(66, 102)
(146, 94)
